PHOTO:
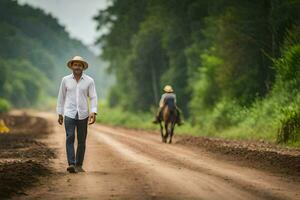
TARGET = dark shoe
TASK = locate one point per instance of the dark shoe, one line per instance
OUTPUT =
(71, 169)
(79, 169)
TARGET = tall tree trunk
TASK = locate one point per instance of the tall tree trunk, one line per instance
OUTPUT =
(154, 84)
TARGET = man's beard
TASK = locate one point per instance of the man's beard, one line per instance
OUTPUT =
(77, 71)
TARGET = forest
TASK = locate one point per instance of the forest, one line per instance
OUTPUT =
(33, 53)
(234, 65)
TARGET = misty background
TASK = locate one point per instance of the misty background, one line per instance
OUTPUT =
(76, 16)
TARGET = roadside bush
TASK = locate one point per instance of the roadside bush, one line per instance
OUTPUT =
(226, 113)
(4, 105)
(290, 127)
(288, 79)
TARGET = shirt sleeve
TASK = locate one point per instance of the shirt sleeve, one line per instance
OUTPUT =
(61, 98)
(161, 102)
(93, 98)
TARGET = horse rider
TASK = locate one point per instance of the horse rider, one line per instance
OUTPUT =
(167, 96)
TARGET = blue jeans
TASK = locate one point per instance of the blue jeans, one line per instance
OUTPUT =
(81, 126)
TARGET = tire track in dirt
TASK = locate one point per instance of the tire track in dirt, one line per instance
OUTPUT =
(263, 185)
(126, 164)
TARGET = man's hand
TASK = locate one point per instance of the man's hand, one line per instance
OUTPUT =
(92, 118)
(60, 119)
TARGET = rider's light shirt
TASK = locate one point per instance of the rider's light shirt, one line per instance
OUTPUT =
(166, 96)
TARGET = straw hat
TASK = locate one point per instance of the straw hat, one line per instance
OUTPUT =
(78, 59)
(168, 89)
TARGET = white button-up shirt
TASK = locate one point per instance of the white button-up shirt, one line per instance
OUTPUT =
(73, 97)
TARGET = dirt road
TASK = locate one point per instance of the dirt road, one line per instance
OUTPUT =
(126, 164)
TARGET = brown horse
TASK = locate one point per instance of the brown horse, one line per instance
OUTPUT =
(169, 115)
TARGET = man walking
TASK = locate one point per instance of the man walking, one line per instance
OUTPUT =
(74, 92)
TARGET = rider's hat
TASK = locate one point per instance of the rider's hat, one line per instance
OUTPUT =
(168, 89)
(78, 59)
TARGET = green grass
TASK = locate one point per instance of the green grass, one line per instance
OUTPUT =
(119, 117)
(255, 126)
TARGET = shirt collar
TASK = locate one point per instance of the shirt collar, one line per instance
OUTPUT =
(82, 76)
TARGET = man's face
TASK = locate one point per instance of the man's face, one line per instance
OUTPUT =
(77, 67)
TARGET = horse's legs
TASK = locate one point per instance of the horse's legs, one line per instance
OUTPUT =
(172, 132)
(167, 132)
(161, 131)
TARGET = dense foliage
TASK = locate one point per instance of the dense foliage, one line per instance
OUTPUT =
(33, 52)
(234, 64)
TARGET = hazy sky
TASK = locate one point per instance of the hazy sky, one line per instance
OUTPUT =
(76, 15)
